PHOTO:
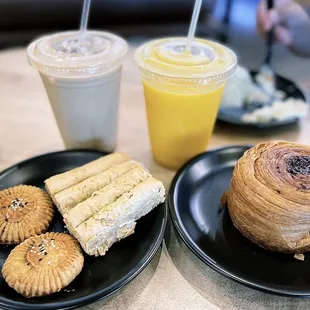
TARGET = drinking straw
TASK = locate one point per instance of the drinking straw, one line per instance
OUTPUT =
(84, 20)
(193, 25)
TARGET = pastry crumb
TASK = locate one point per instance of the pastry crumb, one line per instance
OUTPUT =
(300, 257)
(224, 199)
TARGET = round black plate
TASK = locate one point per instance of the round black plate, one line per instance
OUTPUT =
(206, 228)
(234, 115)
(101, 276)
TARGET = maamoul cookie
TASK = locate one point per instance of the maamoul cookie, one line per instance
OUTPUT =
(43, 264)
(25, 211)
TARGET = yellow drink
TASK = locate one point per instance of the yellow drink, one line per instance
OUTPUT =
(180, 125)
(182, 95)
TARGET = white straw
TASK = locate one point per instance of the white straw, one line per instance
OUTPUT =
(84, 20)
(193, 25)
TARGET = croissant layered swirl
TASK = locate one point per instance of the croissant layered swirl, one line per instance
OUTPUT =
(269, 197)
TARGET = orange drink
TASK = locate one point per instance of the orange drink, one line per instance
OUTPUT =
(182, 95)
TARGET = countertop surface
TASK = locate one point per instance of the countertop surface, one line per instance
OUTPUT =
(175, 279)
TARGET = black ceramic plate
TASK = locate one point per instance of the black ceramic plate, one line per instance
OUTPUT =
(100, 276)
(234, 115)
(206, 228)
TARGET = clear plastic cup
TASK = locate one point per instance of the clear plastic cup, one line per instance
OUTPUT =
(83, 84)
(182, 94)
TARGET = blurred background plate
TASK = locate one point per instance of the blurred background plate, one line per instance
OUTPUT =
(101, 276)
(206, 228)
(234, 115)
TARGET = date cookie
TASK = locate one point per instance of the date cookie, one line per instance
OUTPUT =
(43, 264)
(25, 211)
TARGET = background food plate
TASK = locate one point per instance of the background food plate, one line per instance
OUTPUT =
(101, 276)
(206, 228)
(234, 115)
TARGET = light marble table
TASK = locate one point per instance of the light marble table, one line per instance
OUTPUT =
(175, 279)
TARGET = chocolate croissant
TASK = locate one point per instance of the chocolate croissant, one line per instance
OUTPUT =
(269, 196)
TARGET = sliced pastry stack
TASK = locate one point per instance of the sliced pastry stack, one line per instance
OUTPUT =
(102, 200)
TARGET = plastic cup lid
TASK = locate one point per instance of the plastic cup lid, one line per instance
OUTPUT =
(208, 62)
(62, 54)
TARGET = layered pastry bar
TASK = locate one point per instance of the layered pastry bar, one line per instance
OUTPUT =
(102, 200)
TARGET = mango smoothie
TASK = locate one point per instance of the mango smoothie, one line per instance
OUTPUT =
(182, 95)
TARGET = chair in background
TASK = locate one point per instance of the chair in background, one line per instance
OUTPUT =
(22, 20)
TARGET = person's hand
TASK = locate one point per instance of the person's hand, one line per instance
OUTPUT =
(290, 22)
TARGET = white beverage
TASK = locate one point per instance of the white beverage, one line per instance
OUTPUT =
(82, 82)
